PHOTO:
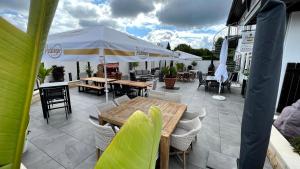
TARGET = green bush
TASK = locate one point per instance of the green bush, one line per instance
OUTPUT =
(194, 63)
(180, 66)
(295, 142)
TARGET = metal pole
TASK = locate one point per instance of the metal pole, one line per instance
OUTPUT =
(105, 76)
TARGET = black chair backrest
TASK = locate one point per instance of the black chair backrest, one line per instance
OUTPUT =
(132, 76)
(200, 76)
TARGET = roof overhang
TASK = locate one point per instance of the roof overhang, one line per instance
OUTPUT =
(243, 12)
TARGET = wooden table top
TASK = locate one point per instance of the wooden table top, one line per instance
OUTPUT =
(55, 84)
(133, 83)
(97, 79)
(171, 112)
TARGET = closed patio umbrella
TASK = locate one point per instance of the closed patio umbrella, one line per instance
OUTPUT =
(221, 74)
(263, 84)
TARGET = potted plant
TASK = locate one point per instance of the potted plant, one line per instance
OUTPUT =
(134, 65)
(58, 73)
(43, 73)
(170, 74)
(89, 71)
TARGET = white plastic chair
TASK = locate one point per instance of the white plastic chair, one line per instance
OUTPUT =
(102, 108)
(118, 101)
(183, 136)
(103, 135)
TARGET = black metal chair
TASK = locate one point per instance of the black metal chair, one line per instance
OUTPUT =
(54, 96)
(131, 92)
(118, 91)
(201, 80)
(132, 76)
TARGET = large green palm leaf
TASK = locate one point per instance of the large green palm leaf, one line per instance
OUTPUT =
(136, 144)
(20, 54)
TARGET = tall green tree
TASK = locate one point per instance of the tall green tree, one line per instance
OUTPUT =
(20, 56)
(184, 48)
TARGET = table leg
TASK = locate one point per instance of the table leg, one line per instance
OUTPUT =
(69, 100)
(101, 121)
(164, 152)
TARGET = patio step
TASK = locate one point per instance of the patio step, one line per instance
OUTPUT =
(218, 160)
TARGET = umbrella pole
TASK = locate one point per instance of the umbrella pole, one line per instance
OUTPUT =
(219, 96)
(220, 83)
(105, 76)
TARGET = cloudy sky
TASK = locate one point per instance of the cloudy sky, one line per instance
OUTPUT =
(193, 22)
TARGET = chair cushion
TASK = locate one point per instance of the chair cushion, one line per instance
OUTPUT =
(145, 72)
(138, 72)
(179, 131)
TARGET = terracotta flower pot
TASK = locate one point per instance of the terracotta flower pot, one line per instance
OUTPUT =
(170, 82)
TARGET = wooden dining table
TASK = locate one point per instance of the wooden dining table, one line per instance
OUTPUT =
(171, 112)
(135, 84)
(97, 79)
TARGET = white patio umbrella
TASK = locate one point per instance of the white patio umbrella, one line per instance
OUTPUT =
(221, 74)
(187, 56)
(101, 44)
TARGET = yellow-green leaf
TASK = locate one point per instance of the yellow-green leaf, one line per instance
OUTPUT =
(20, 55)
(136, 144)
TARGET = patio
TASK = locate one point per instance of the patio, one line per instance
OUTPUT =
(69, 143)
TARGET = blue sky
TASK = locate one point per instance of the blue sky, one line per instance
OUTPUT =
(193, 22)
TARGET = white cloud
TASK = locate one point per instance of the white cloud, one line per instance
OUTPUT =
(196, 40)
(75, 14)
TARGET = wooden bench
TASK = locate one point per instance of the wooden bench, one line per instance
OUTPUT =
(85, 87)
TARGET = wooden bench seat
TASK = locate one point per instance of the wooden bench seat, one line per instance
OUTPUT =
(85, 87)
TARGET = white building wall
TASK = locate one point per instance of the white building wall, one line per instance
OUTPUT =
(291, 51)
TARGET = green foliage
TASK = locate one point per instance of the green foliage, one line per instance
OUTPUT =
(58, 73)
(194, 63)
(89, 71)
(133, 65)
(206, 54)
(169, 72)
(20, 56)
(180, 66)
(43, 73)
(165, 70)
(136, 144)
(295, 142)
(173, 72)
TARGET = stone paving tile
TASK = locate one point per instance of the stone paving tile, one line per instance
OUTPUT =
(69, 143)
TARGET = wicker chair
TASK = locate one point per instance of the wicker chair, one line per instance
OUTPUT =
(102, 108)
(191, 115)
(118, 101)
(183, 136)
(103, 135)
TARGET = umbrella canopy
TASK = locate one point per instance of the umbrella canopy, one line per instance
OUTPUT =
(186, 56)
(90, 43)
(221, 74)
(101, 44)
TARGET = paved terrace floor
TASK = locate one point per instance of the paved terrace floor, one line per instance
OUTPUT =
(69, 143)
